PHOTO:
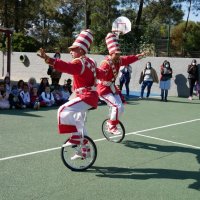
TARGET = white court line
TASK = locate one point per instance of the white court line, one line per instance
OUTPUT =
(132, 133)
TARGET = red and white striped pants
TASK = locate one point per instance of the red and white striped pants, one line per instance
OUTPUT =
(71, 117)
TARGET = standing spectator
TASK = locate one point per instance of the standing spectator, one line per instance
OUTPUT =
(44, 82)
(192, 77)
(54, 74)
(120, 94)
(47, 98)
(198, 80)
(4, 96)
(165, 79)
(24, 97)
(125, 77)
(106, 87)
(147, 78)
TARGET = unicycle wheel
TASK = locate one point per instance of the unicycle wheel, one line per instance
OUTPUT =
(73, 157)
(110, 136)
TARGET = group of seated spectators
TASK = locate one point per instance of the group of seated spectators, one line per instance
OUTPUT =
(33, 95)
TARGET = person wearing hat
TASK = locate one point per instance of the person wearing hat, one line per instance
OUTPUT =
(106, 88)
(192, 77)
(83, 69)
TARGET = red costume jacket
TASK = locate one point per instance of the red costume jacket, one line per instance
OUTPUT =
(111, 71)
(84, 78)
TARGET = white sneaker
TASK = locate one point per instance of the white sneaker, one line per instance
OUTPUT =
(68, 144)
(76, 156)
(190, 98)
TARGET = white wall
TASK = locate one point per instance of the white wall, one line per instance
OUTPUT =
(38, 69)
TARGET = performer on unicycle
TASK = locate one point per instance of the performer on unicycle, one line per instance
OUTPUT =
(71, 114)
(106, 88)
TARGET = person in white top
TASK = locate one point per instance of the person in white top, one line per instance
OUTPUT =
(147, 78)
(47, 98)
(24, 96)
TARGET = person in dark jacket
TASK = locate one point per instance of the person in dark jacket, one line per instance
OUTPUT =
(55, 74)
(192, 77)
(165, 79)
(125, 78)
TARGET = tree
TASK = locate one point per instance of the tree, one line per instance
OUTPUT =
(23, 43)
(191, 44)
(103, 13)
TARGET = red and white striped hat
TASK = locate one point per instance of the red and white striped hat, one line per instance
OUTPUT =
(83, 41)
(112, 43)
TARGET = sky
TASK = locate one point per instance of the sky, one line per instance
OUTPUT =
(192, 16)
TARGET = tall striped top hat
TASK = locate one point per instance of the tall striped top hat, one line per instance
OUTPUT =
(83, 41)
(112, 43)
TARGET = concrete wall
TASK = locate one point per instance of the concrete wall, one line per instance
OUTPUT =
(38, 69)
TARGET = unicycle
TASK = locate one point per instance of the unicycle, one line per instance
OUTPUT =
(85, 160)
(110, 136)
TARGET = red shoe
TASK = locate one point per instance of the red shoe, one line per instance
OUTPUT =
(114, 130)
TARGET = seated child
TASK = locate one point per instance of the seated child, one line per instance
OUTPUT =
(65, 93)
(68, 84)
(31, 83)
(4, 102)
(24, 97)
(57, 94)
(47, 98)
(14, 98)
(35, 104)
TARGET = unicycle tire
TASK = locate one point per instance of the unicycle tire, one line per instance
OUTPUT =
(110, 136)
(80, 164)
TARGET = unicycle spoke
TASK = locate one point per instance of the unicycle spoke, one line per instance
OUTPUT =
(110, 136)
(74, 158)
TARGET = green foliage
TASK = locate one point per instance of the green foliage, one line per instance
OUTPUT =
(23, 43)
(52, 23)
(187, 41)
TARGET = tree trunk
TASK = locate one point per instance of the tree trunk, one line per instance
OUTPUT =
(185, 29)
(137, 24)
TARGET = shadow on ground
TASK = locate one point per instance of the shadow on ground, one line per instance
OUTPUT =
(153, 173)
(26, 112)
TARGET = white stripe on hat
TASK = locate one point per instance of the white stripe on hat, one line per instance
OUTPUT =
(81, 46)
(84, 40)
(112, 43)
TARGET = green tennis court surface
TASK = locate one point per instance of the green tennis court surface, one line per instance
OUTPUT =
(159, 158)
